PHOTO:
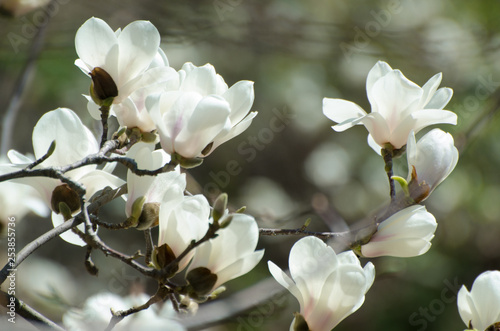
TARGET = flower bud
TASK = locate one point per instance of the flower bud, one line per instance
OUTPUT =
(219, 207)
(103, 87)
(162, 256)
(225, 221)
(185, 162)
(202, 280)
(149, 217)
(299, 323)
(63, 193)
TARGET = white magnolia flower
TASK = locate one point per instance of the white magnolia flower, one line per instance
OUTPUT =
(481, 306)
(398, 107)
(152, 188)
(133, 60)
(203, 113)
(74, 142)
(229, 255)
(328, 286)
(434, 157)
(96, 314)
(182, 220)
(407, 233)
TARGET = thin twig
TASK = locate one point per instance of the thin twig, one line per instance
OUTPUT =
(388, 154)
(160, 295)
(149, 246)
(302, 232)
(28, 313)
(49, 235)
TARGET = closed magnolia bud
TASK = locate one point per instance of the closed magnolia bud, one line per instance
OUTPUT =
(219, 207)
(63, 193)
(103, 87)
(300, 323)
(202, 280)
(162, 256)
(187, 163)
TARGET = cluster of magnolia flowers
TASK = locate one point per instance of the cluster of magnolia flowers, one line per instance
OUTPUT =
(192, 111)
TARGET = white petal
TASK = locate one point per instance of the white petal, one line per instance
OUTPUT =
(68, 236)
(240, 98)
(235, 131)
(139, 42)
(428, 117)
(373, 144)
(93, 41)
(466, 307)
(208, 119)
(285, 281)
(18, 158)
(202, 79)
(342, 112)
(392, 95)
(440, 99)
(73, 140)
(239, 268)
(485, 294)
(429, 89)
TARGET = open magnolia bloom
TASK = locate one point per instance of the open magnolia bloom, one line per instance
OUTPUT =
(229, 255)
(480, 308)
(398, 107)
(121, 62)
(432, 158)
(407, 233)
(328, 286)
(73, 143)
(145, 193)
(203, 113)
(182, 220)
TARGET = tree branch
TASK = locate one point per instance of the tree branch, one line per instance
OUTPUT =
(49, 235)
(28, 313)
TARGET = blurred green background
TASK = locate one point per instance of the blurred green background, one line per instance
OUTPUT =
(296, 52)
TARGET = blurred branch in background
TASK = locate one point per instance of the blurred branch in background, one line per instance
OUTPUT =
(23, 81)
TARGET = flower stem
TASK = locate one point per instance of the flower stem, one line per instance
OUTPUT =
(387, 154)
(104, 120)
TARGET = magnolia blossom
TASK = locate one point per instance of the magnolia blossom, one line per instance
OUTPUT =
(328, 286)
(73, 143)
(230, 255)
(434, 157)
(182, 219)
(398, 107)
(133, 60)
(203, 113)
(96, 314)
(481, 306)
(151, 188)
(405, 234)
